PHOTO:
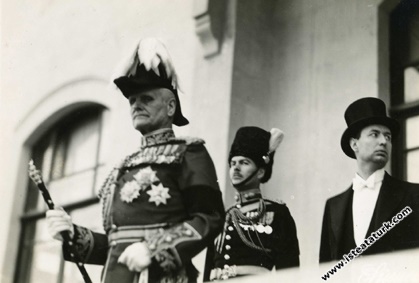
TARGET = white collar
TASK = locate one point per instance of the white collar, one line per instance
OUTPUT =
(373, 179)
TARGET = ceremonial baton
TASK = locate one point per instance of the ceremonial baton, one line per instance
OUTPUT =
(36, 177)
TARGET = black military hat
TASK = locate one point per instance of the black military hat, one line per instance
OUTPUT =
(258, 145)
(143, 79)
(362, 113)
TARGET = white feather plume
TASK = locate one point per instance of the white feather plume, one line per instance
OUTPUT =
(276, 138)
(150, 52)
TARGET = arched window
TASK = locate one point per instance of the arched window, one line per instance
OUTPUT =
(69, 156)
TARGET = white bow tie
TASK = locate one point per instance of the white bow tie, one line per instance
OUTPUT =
(359, 184)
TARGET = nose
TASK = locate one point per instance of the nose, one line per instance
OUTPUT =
(235, 167)
(383, 139)
(136, 104)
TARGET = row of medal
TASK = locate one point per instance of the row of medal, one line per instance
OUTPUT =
(260, 228)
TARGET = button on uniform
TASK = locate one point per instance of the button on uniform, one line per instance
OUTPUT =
(228, 247)
(226, 257)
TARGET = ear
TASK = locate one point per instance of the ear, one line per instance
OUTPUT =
(353, 142)
(261, 173)
(171, 107)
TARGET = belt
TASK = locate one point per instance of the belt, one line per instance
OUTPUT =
(236, 270)
(135, 233)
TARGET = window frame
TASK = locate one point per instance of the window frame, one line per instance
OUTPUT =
(32, 213)
(399, 47)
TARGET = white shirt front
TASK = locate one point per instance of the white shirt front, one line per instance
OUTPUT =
(363, 204)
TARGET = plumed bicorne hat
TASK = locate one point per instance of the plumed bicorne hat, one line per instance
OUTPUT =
(362, 113)
(257, 145)
(145, 80)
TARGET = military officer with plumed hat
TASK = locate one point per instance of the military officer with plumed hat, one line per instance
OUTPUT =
(259, 234)
(162, 204)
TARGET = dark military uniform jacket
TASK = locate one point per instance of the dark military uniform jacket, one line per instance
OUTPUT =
(166, 195)
(270, 241)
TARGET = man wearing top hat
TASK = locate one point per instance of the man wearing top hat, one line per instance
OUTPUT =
(162, 204)
(374, 197)
(259, 234)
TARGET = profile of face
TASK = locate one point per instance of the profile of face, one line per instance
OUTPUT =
(152, 109)
(373, 145)
(241, 168)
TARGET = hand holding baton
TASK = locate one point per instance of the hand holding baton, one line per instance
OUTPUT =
(36, 177)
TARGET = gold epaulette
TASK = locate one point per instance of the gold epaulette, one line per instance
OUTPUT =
(159, 154)
(167, 153)
(189, 140)
(279, 201)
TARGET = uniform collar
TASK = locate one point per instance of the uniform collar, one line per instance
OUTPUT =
(160, 136)
(248, 196)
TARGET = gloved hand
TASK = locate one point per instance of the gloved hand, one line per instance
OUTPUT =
(58, 220)
(136, 256)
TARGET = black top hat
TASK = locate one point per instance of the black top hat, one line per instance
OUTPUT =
(144, 79)
(253, 143)
(362, 113)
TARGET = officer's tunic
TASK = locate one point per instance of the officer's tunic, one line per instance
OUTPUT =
(270, 240)
(167, 195)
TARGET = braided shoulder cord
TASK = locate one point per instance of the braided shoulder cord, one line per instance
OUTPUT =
(114, 174)
(249, 219)
(236, 214)
(242, 236)
(106, 191)
(265, 250)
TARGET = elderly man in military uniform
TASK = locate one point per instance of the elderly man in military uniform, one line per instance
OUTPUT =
(162, 204)
(259, 234)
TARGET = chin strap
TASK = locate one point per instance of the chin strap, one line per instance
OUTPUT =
(247, 179)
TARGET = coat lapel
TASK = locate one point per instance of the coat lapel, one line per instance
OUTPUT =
(388, 201)
(339, 208)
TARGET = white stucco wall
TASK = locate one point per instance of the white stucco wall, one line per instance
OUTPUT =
(327, 58)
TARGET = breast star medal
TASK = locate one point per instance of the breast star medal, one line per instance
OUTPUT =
(158, 194)
(144, 179)
(130, 191)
